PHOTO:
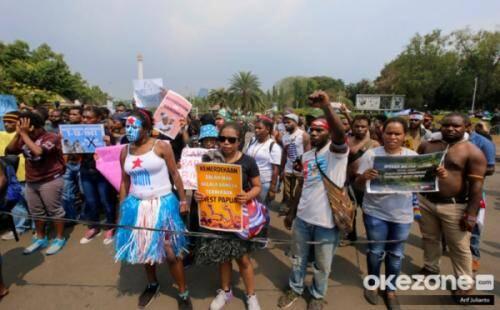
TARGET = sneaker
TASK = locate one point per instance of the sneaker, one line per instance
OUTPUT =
(89, 235)
(109, 236)
(184, 301)
(148, 295)
(287, 299)
(371, 296)
(10, 235)
(316, 304)
(253, 302)
(221, 299)
(55, 246)
(37, 244)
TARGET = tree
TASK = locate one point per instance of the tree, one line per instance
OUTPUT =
(218, 96)
(437, 71)
(41, 75)
(245, 92)
(362, 87)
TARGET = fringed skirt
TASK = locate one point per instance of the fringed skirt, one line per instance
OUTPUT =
(137, 246)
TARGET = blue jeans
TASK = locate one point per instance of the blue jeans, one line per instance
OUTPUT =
(99, 194)
(263, 193)
(475, 239)
(377, 229)
(21, 222)
(71, 188)
(303, 232)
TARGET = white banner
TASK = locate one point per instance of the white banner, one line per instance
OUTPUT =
(148, 93)
(189, 159)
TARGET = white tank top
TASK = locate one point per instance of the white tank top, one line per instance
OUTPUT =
(148, 173)
(294, 145)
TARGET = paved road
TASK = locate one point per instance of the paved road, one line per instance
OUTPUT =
(86, 277)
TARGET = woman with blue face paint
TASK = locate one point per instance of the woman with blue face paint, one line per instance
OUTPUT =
(147, 201)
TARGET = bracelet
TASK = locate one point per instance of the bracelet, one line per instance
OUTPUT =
(183, 202)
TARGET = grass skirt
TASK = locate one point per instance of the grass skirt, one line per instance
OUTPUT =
(215, 251)
(144, 246)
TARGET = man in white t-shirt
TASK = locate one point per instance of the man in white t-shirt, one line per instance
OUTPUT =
(295, 142)
(312, 217)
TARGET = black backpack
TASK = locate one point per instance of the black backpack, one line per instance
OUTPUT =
(13, 192)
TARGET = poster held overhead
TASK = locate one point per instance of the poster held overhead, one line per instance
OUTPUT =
(148, 93)
(167, 117)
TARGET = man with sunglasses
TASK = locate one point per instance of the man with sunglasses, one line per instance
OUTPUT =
(416, 133)
(312, 217)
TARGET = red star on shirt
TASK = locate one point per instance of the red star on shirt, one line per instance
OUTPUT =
(137, 163)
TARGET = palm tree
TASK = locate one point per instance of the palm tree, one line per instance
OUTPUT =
(245, 91)
(218, 96)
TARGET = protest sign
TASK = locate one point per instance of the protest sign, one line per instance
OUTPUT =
(148, 93)
(189, 159)
(78, 139)
(379, 102)
(220, 183)
(167, 117)
(7, 104)
(108, 164)
(398, 174)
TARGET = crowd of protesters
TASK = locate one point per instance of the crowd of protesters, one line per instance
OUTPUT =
(277, 152)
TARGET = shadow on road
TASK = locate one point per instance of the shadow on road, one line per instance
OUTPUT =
(16, 265)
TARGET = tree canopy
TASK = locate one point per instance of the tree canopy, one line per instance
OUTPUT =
(41, 75)
(437, 71)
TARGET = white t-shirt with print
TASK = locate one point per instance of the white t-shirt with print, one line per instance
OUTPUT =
(265, 156)
(395, 207)
(294, 145)
(314, 207)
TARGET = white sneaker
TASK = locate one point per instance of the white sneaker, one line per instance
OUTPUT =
(109, 237)
(221, 299)
(90, 234)
(10, 235)
(253, 302)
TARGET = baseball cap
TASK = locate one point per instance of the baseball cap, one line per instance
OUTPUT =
(293, 117)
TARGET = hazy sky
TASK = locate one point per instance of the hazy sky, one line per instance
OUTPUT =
(201, 43)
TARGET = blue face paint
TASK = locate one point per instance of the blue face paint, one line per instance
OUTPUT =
(133, 127)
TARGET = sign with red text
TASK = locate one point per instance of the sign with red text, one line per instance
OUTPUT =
(189, 159)
(220, 183)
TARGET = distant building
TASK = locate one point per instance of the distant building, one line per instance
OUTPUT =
(203, 93)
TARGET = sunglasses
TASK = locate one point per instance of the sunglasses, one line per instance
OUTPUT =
(223, 139)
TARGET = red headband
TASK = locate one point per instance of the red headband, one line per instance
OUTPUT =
(265, 118)
(320, 122)
(146, 116)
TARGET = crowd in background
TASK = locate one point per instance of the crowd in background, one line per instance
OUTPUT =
(278, 152)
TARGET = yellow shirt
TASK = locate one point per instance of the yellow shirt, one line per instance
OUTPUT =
(5, 139)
